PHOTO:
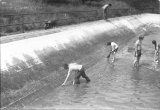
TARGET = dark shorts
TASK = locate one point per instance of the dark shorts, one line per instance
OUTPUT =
(138, 53)
(115, 50)
(80, 73)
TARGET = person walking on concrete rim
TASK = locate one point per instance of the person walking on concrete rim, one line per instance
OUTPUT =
(157, 52)
(113, 50)
(105, 10)
(79, 71)
(138, 50)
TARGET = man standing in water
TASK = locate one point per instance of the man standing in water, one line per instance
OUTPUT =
(79, 71)
(138, 50)
(105, 10)
(113, 50)
(156, 54)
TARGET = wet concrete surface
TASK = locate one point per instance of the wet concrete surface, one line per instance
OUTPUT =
(113, 86)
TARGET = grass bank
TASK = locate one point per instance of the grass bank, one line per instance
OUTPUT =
(32, 8)
(69, 10)
(72, 11)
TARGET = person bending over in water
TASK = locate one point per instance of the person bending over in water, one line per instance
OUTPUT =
(78, 70)
(113, 50)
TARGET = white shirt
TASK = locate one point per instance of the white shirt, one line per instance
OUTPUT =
(138, 45)
(114, 46)
(74, 66)
(105, 6)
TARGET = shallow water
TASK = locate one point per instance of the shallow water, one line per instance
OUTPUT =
(117, 86)
(113, 86)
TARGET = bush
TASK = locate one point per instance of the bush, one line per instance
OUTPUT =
(142, 4)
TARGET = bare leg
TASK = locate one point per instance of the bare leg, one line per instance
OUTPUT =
(156, 60)
(156, 64)
(77, 77)
(113, 59)
(136, 62)
(85, 76)
(138, 59)
(73, 82)
(104, 15)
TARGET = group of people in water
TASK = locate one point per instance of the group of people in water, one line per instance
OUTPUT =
(79, 70)
(138, 51)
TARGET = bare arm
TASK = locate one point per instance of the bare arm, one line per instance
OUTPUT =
(109, 52)
(69, 72)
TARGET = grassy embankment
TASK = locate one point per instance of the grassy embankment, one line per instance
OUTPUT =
(33, 6)
(28, 6)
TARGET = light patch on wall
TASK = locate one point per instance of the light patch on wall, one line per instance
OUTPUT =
(149, 18)
(127, 24)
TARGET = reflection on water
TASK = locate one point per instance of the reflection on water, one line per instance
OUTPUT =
(112, 86)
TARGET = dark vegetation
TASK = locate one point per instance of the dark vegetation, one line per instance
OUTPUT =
(64, 12)
(142, 4)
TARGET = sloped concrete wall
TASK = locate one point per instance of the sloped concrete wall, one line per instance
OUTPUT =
(35, 58)
(14, 52)
(32, 59)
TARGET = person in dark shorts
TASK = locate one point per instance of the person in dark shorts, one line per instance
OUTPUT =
(79, 71)
(156, 53)
(138, 50)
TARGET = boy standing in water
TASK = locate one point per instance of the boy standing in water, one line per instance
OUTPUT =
(105, 10)
(156, 54)
(113, 50)
(138, 50)
(79, 71)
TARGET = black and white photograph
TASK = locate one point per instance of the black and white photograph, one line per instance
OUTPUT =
(80, 54)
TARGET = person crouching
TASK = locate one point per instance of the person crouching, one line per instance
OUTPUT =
(78, 70)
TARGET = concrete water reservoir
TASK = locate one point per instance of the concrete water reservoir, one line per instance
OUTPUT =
(32, 59)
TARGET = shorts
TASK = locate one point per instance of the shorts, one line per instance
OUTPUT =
(138, 53)
(80, 73)
(115, 50)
